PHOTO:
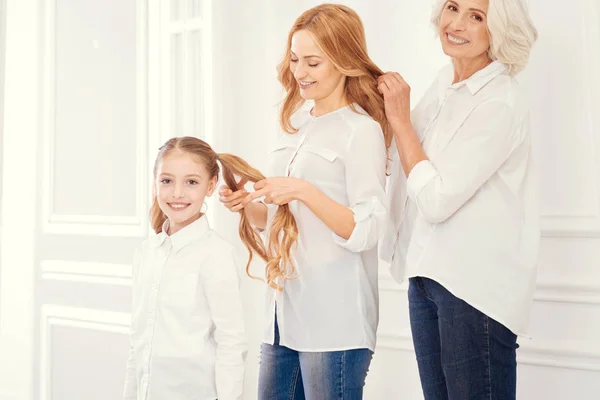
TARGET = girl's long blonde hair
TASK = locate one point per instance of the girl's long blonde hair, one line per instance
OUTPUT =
(283, 232)
(340, 34)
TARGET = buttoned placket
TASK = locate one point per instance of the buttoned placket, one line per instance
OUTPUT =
(277, 307)
(288, 169)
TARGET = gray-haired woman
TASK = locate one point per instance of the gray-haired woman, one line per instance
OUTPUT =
(464, 203)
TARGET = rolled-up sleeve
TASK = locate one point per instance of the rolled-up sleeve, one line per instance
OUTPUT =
(224, 298)
(440, 186)
(365, 167)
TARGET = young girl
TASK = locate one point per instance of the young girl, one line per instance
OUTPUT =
(329, 171)
(187, 331)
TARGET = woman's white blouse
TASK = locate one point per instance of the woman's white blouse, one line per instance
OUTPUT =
(187, 332)
(333, 302)
(468, 217)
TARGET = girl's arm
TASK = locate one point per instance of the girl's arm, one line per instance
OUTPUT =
(221, 286)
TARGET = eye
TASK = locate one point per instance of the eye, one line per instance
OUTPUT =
(452, 8)
(313, 65)
(192, 182)
(477, 17)
(294, 60)
(165, 181)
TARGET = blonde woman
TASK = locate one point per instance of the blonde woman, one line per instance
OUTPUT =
(329, 167)
(467, 224)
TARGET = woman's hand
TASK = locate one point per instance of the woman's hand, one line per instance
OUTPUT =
(396, 94)
(233, 200)
(278, 190)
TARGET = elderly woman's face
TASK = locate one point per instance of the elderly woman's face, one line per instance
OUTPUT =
(463, 29)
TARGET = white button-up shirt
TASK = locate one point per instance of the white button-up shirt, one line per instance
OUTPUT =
(333, 302)
(187, 332)
(468, 217)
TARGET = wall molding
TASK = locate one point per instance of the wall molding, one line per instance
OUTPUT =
(102, 225)
(538, 353)
(86, 272)
(553, 291)
(73, 317)
(567, 292)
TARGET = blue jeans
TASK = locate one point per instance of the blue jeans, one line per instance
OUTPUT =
(286, 374)
(462, 353)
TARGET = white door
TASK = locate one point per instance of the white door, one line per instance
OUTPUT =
(93, 88)
(75, 162)
(75, 181)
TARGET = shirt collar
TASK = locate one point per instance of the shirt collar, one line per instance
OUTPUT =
(477, 81)
(183, 237)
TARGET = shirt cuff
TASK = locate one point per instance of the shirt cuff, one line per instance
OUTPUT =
(420, 176)
(369, 217)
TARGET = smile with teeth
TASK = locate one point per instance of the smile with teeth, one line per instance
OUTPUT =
(178, 206)
(456, 40)
(306, 84)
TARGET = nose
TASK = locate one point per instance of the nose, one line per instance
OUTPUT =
(300, 71)
(178, 190)
(458, 23)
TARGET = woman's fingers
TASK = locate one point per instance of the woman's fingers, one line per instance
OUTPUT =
(232, 200)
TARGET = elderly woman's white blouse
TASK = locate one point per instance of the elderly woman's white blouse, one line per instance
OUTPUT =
(468, 217)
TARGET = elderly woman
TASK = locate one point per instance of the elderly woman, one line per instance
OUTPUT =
(464, 206)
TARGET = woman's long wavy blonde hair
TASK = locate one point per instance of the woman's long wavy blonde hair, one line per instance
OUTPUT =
(340, 34)
(283, 232)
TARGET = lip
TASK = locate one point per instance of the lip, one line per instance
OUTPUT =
(449, 35)
(302, 86)
(172, 206)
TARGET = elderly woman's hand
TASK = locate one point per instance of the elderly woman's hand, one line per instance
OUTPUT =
(396, 94)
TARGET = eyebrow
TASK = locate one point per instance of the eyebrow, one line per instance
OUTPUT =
(305, 56)
(187, 176)
(470, 9)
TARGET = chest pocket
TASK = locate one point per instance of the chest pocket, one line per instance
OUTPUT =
(279, 159)
(318, 165)
(440, 134)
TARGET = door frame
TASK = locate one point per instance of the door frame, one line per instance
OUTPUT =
(19, 194)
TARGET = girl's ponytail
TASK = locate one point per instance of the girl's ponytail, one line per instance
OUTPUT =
(283, 233)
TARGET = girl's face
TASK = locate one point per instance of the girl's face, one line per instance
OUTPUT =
(181, 184)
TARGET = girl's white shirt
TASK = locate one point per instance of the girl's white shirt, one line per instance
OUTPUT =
(187, 332)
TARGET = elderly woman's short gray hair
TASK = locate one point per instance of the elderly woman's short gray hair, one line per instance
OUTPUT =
(512, 33)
